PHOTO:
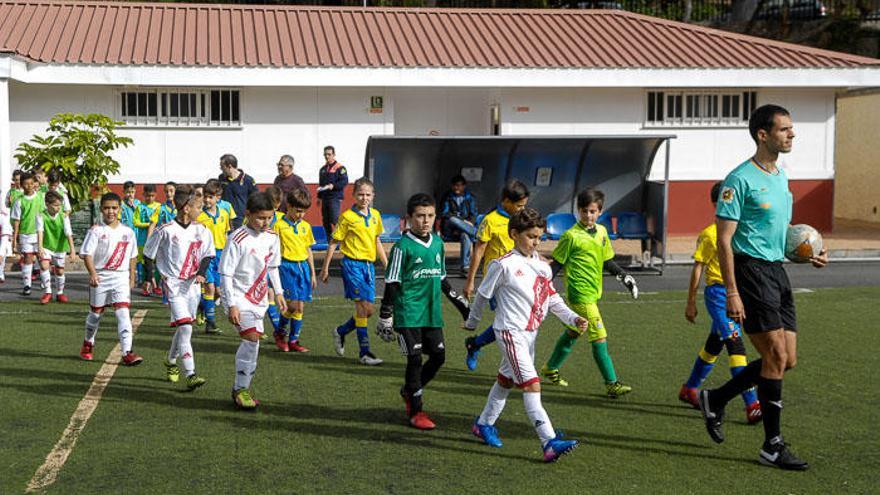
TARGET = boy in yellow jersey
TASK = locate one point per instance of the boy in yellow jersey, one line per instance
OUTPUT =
(297, 269)
(493, 241)
(357, 236)
(218, 223)
(585, 252)
(274, 194)
(724, 331)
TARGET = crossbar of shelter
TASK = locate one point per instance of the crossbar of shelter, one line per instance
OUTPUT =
(48, 472)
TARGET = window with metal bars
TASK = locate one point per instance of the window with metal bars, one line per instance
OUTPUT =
(180, 108)
(707, 108)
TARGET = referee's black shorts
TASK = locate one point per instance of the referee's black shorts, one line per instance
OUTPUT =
(766, 295)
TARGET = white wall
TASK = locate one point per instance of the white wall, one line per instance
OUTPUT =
(300, 121)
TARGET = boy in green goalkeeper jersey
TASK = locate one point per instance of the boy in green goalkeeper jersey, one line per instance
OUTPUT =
(584, 251)
(55, 241)
(411, 305)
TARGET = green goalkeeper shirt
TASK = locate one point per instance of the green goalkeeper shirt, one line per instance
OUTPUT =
(583, 254)
(419, 267)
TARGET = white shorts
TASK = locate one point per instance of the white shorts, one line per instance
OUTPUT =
(112, 290)
(27, 243)
(517, 357)
(56, 259)
(251, 322)
(183, 299)
(5, 245)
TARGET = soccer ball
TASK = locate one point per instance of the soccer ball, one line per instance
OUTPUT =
(802, 242)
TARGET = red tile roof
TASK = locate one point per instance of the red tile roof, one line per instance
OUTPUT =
(280, 36)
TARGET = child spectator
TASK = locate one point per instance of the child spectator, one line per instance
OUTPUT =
(55, 241)
(24, 225)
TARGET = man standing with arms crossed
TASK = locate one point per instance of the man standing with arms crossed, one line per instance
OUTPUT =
(332, 179)
(753, 215)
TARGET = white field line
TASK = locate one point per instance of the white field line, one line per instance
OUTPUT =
(48, 472)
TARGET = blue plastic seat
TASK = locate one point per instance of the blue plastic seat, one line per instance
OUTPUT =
(320, 238)
(392, 228)
(558, 223)
(632, 225)
(606, 221)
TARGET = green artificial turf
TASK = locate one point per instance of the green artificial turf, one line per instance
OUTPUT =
(330, 425)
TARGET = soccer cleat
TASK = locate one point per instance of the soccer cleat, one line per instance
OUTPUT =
(46, 298)
(778, 455)
(281, 342)
(421, 421)
(616, 389)
(243, 399)
(62, 298)
(200, 318)
(146, 292)
(369, 359)
(754, 414)
(194, 381)
(554, 376)
(87, 350)
(132, 359)
(473, 352)
(557, 447)
(713, 418)
(157, 291)
(172, 372)
(338, 342)
(211, 328)
(689, 396)
(294, 346)
(487, 433)
(26, 291)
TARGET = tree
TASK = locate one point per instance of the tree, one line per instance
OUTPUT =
(77, 146)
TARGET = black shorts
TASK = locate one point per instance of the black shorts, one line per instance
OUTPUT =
(420, 340)
(766, 295)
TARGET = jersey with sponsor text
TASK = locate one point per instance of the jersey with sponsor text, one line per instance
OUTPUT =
(419, 267)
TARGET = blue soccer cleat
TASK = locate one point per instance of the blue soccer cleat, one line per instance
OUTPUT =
(557, 447)
(473, 352)
(487, 433)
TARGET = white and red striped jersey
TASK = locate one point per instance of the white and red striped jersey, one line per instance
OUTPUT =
(111, 249)
(247, 259)
(523, 290)
(178, 250)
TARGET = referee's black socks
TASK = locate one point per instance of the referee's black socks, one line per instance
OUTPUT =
(744, 380)
(770, 395)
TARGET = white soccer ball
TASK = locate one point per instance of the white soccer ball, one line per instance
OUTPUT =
(802, 242)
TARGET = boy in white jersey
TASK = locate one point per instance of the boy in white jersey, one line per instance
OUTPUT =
(521, 284)
(24, 224)
(55, 241)
(250, 261)
(182, 249)
(110, 255)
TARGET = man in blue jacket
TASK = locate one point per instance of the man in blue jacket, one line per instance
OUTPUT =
(458, 210)
(237, 187)
(332, 179)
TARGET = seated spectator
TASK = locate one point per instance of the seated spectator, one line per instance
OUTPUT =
(458, 212)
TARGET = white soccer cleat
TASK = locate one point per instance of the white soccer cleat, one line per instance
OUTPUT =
(369, 359)
(338, 342)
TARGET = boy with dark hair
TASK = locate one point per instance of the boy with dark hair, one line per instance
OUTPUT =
(274, 193)
(458, 210)
(109, 252)
(250, 262)
(521, 283)
(15, 191)
(411, 305)
(297, 270)
(182, 250)
(53, 183)
(222, 203)
(218, 223)
(55, 241)
(724, 332)
(128, 213)
(585, 251)
(493, 241)
(357, 236)
(167, 211)
(142, 221)
(24, 225)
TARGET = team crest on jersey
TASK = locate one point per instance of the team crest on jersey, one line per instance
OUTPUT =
(437, 258)
(418, 260)
(519, 273)
(727, 194)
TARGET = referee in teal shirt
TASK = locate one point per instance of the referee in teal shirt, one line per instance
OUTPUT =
(753, 215)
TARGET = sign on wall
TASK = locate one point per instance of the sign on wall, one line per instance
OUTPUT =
(377, 104)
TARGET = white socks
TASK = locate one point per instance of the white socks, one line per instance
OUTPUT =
(92, 321)
(123, 327)
(46, 281)
(26, 272)
(538, 416)
(494, 404)
(245, 363)
(59, 284)
(183, 336)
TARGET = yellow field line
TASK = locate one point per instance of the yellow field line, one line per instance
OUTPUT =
(48, 472)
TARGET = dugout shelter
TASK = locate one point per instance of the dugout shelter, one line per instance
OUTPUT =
(555, 168)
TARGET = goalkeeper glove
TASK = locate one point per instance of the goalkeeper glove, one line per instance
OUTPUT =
(460, 302)
(630, 283)
(385, 329)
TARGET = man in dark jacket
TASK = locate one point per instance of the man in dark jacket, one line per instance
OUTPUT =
(237, 187)
(332, 179)
(286, 180)
(458, 210)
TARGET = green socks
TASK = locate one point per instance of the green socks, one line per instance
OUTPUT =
(561, 351)
(603, 360)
